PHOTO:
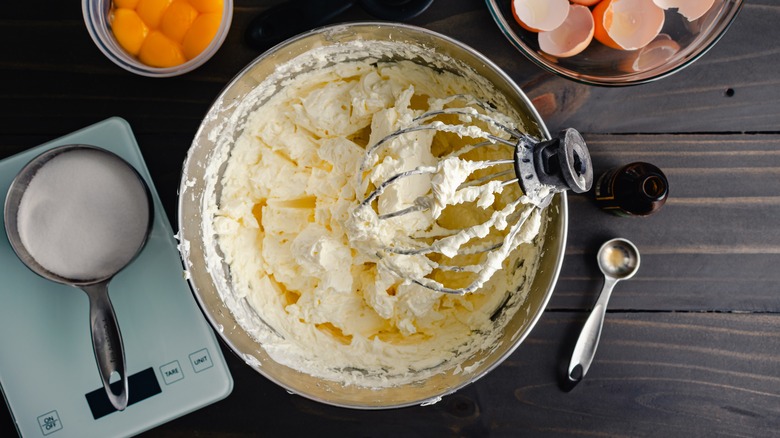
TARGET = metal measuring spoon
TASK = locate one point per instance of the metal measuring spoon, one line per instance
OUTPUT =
(106, 337)
(618, 259)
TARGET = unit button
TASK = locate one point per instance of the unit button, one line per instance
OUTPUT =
(201, 360)
(171, 372)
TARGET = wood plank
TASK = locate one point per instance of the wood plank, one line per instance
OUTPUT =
(702, 251)
(665, 374)
(692, 100)
(689, 346)
(655, 373)
(714, 246)
(56, 67)
(672, 374)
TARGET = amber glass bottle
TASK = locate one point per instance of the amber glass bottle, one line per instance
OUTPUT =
(636, 189)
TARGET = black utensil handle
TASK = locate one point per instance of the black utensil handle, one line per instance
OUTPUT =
(291, 18)
(564, 162)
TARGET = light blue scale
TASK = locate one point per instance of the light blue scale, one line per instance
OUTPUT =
(47, 366)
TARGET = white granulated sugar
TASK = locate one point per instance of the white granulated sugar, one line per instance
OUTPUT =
(83, 215)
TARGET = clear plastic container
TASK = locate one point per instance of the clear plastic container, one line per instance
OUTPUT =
(96, 18)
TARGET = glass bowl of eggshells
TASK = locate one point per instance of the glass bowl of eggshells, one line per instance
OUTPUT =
(613, 42)
(158, 38)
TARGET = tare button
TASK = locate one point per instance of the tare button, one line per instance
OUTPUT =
(171, 372)
(201, 360)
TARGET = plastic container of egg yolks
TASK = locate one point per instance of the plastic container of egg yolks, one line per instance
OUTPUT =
(165, 33)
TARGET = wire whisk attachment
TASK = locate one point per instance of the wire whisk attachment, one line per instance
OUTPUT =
(451, 193)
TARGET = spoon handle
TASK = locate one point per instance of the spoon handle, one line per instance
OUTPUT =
(585, 349)
(107, 344)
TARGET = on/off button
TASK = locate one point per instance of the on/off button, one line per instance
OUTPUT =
(201, 360)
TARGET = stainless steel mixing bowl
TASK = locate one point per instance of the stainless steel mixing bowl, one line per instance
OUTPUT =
(223, 125)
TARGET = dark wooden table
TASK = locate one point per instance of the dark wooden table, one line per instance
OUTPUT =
(691, 346)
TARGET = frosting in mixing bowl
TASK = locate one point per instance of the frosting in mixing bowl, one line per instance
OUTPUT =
(284, 214)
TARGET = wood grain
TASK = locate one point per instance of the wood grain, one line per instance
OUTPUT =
(690, 345)
(659, 374)
(58, 68)
(713, 246)
(692, 100)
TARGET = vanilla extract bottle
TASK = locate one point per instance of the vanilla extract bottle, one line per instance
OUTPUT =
(636, 189)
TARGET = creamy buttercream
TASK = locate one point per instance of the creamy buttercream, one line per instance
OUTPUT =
(305, 280)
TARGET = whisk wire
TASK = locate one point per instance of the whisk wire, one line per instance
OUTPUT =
(497, 235)
(483, 271)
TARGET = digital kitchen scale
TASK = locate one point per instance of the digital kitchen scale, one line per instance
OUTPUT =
(47, 367)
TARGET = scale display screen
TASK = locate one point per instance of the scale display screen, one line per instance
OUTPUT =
(141, 386)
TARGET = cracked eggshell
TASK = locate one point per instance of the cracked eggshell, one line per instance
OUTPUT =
(540, 15)
(572, 36)
(690, 9)
(627, 24)
(657, 53)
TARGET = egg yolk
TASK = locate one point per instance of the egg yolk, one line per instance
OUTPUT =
(206, 6)
(129, 30)
(160, 51)
(201, 33)
(165, 33)
(151, 11)
(177, 20)
(125, 4)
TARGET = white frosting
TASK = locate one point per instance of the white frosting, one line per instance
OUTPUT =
(401, 237)
(303, 279)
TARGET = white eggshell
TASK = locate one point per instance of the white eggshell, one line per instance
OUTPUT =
(690, 9)
(541, 15)
(635, 23)
(572, 36)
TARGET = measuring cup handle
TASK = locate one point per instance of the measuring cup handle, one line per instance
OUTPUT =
(107, 344)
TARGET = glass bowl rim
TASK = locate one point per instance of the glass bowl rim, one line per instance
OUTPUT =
(663, 70)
